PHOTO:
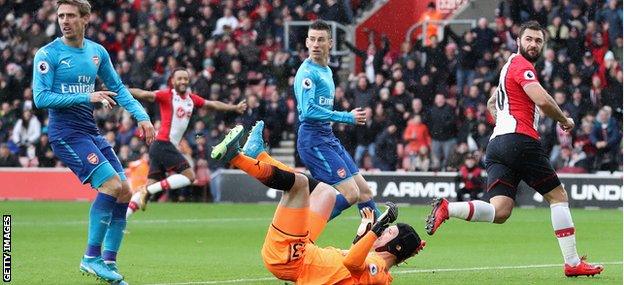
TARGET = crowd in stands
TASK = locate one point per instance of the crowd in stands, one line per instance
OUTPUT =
(426, 99)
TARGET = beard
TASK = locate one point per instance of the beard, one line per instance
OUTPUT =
(524, 52)
(180, 89)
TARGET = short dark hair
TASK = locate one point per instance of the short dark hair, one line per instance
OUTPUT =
(84, 7)
(321, 25)
(531, 25)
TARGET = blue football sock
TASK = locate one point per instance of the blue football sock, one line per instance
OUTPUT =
(370, 204)
(340, 205)
(99, 219)
(114, 234)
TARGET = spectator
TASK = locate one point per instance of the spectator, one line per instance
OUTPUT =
(372, 58)
(441, 120)
(416, 135)
(44, 153)
(7, 159)
(227, 21)
(386, 149)
(484, 36)
(419, 161)
(365, 137)
(26, 132)
(606, 136)
(470, 176)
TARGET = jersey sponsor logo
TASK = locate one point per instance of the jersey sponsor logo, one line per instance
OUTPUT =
(307, 83)
(324, 101)
(342, 173)
(528, 75)
(43, 67)
(96, 60)
(180, 113)
(93, 158)
(373, 269)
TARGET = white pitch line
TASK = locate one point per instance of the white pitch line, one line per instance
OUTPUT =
(433, 270)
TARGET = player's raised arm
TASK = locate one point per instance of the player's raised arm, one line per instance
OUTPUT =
(107, 73)
(546, 103)
(220, 106)
(142, 95)
(355, 259)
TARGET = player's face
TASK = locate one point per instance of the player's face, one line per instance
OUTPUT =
(318, 43)
(531, 44)
(180, 81)
(388, 234)
(71, 23)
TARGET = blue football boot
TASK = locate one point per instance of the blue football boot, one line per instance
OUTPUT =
(95, 266)
(255, 142)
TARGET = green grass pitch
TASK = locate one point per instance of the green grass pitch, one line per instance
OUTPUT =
(220, 244)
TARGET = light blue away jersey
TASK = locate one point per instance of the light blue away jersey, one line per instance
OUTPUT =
(314, 90)
(63, 77)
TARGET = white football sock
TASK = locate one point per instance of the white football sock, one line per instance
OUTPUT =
(473, 211)
(133, 206)
(172, 182)
(564, 230)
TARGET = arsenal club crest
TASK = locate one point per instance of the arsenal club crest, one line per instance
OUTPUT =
(342, 173)
(93, 158)
(96, 60)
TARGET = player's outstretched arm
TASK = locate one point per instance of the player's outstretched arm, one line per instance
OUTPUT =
(240, 108)
(355, 259)
(546, 103)
(142, 95)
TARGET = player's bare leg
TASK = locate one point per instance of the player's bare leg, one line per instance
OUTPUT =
(365, 199)
(565, 233)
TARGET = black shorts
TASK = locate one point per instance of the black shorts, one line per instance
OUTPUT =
(165, 157)
(514, 157)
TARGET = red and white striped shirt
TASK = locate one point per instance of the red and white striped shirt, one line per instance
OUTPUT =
(175, 113)
(515, 111)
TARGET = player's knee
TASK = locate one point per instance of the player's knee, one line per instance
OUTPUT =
(125, 193)
(190, 175)
(501, 216)
(352, 194)
(301, 183)
(557, 195)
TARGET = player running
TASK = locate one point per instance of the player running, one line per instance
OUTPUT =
(289, 251)
(176, 107)
(64, 82)
(515, 153)
(319, 149)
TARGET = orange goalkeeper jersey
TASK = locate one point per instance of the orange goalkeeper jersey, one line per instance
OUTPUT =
(327, 266)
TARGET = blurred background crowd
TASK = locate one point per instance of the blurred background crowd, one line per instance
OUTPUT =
(426, 99)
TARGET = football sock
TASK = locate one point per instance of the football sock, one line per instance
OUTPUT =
(564, 230)
(265, 157)
(133, 206)
(172, 182)
(269, 175)
(99, 219)
(370, 204)
(340, 205)
(473, 211)
(114, 235)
